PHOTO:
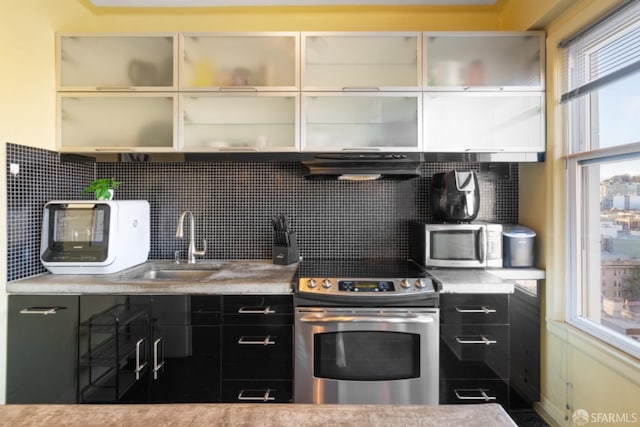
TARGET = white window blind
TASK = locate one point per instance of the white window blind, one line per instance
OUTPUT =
(602, 53)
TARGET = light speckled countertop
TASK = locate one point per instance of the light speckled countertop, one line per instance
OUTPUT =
(295, 415)
(227, 277)
(474, 280)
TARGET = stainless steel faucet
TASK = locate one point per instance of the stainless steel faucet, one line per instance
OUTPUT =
(192, 252)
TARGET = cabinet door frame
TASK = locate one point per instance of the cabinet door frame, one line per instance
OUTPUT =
(116, 149)
(296, 122)
(483, 34)
(419, 120)
(215, 88)
(439, 147)
(120, 88)
(391, 34)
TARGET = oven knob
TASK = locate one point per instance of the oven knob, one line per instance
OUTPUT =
(311, 283)
(420, 283)
(326, 283)
(405, 284)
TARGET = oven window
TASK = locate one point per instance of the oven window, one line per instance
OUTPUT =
(367, 355)
(454, 244)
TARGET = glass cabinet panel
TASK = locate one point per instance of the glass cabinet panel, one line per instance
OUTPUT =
(240, 121)
(477, 122)
(361, 61)
(140, 122)
(111, 62)
(361, 121)
(267, 61)
(484, 61)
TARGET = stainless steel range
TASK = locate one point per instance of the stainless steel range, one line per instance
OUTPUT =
(366, 332)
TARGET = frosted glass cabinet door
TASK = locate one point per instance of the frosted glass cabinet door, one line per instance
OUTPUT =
(140, 122)
(480, 122)
(361, 61)
(361, 122)
(484, 61)
(240, 121)
(259, 61)
(117, 62)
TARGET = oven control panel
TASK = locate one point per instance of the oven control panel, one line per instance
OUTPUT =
(387, 287)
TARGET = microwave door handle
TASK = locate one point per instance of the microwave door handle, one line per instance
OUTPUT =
(482, 244)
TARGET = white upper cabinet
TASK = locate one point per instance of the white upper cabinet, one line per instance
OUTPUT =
(361, 61)
(338, 121)
(484, 61)
(93, 122)
(117, 62)
(240, 61)
(477, 122)
(265, 121)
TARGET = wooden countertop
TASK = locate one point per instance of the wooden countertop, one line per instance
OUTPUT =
(295, 415)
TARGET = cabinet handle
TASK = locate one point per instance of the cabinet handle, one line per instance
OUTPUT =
(360, 88)
(256, 310)
(114, 150)
(361, 149)
(481, 309)
(238, 149)
(42, 310)
(238, 89)
(139, 363)
(158, 344)
(264, 398)
(477, 394)
(485, 150)
(115, 88)
(476, 340)
(247, 341)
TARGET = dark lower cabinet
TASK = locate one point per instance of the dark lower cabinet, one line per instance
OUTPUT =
(257, 348)
(42, 349)
(474, 349)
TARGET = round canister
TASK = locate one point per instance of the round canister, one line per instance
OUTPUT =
(518, 246)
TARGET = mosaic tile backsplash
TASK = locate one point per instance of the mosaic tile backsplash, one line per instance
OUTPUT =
(233, 204)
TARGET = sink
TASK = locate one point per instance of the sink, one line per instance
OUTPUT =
(177, 274)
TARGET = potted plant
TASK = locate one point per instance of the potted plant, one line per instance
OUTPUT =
(103, 188)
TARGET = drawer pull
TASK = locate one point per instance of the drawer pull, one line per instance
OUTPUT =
(473, 394)
(158, 349)
(475, 340)
(140, 353)
(481, 309)
(42, 310)
(256, 310)
(265, 397)
(253, 341)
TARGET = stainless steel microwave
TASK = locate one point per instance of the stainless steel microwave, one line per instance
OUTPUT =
(94, 237)
(473, 245)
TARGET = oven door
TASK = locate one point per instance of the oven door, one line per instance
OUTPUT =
(366, 355)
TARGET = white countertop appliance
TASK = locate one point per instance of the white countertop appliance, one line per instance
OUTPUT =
(94, 236)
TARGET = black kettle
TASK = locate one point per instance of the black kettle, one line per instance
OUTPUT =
(455, 196)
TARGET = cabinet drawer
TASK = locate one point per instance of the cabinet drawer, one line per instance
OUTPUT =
(257, 352)
(474, 308)
(467, 348)
(258, 309)
(256, 391)
(474, 392)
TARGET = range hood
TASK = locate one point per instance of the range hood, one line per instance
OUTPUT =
(363, 166)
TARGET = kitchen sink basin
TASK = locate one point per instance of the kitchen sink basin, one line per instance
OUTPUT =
(172, 274)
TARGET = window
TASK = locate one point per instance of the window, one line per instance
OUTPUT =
(602, 105)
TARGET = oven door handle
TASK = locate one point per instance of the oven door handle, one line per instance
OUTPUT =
(368, 319)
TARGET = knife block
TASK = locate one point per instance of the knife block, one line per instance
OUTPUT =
(285, 255)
